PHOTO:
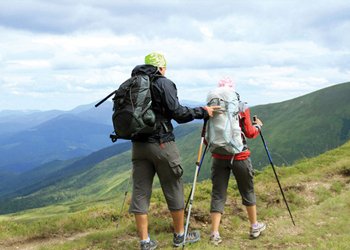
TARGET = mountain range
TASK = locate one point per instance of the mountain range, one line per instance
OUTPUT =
(29, 139)
(295, 129)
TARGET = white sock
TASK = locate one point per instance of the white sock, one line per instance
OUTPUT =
(146, 240)
(215, 233)
(180, 234)
(255, 225)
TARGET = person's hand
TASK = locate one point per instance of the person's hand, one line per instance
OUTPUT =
(257, 121)
(212, 109)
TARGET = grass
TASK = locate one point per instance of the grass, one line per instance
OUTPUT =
(317, 190)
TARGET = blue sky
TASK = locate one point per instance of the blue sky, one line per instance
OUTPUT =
(61, 54)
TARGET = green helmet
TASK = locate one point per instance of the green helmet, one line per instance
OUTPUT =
(155, 59)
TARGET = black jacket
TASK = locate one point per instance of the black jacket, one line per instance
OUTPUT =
(166, 106)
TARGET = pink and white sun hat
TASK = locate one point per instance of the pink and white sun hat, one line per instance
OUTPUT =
(226, 82)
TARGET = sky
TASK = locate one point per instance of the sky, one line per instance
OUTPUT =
(62, 54)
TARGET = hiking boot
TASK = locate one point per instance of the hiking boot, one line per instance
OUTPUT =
(215, 239)
(256, 230)
(192, 237)
(152, 244)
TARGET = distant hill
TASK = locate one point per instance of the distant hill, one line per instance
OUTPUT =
(303, 127)
(63, 137)
(42, 136)
(15, 121)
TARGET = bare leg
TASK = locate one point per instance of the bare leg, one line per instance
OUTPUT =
(178, 221)
(251, 210)
(215, 221)
(142, 225)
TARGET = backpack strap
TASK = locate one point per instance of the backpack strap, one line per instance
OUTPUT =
(231, 140)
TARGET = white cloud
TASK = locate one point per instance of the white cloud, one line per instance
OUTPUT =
(80, 51)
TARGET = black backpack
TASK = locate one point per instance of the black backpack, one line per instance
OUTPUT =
(132, 111)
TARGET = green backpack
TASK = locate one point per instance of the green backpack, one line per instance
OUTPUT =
(132, 108)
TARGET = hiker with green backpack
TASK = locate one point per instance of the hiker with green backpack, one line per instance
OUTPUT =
(226, 138)
(155, 152)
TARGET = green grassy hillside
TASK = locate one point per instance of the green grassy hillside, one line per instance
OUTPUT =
(317, 189)
(305, 126)
(54, 172)
(100, 182)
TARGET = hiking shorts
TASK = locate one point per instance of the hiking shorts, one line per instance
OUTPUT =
(149, 159)
(220, 174)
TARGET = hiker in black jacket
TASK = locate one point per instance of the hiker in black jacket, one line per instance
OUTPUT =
(158, 153)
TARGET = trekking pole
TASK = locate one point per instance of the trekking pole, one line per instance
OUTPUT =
(274, 171)
(104, 99)
(125, 194)
(198, 163)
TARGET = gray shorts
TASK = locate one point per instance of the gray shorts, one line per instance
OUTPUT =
(149, 159)
(220, 174)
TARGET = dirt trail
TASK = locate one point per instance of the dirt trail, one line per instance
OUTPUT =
(34, 244)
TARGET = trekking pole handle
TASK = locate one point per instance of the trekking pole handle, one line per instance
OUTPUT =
(256, 124)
